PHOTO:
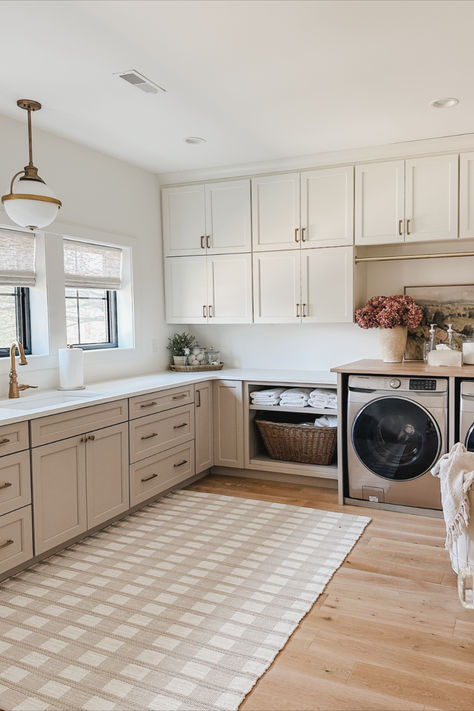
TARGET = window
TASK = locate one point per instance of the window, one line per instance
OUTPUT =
(92, 278)
(17, 273)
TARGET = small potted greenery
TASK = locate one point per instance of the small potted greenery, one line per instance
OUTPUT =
(179, 346)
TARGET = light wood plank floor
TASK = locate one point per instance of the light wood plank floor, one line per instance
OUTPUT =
(388, 632)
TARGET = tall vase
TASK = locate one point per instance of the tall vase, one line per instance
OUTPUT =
(392, 343)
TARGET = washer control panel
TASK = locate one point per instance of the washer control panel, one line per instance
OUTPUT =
(422, 384)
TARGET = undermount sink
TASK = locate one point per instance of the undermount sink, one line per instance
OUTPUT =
(38, 402)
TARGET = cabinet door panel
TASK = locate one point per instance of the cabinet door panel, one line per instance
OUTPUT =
(15, 489)
(380, 202)
(155, 433)
(431, 198)
(183, 220)
(155, 474)
(16, 539)
(230, 288)
(466, 196)
(327, 277)
(228, 424)
(327, 207)
(276, 212)
(228, 216)
(277, 287)
(107, 474)
(59, 492)
(186, 289)
(204, 425)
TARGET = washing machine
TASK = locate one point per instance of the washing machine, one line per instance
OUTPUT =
(397, 430)
(466, 414)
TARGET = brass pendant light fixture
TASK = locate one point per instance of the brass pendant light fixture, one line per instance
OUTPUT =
(34, 205)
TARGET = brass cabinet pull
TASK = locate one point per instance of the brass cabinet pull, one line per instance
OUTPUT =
(204, 311)
(148, 404)
(303, 309)
(297, 310)
(296, 234)
(178, 397)
(178, 427)
(408, 227)
(210, 310)
(83, 439)
(150, 436)
(149, 478)
(4, 440)
(400, 227)
(6, 543)
(202, 242)
(198, 398)
(303, 230)
(180, 464)
(91, 437)
(208, 244)
(5, 484)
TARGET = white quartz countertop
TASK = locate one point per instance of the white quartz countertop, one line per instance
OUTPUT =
(38, 403)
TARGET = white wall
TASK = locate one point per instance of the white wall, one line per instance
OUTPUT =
(109, 200)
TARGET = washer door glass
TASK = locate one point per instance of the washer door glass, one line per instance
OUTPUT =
(396, 438)
(470, 439)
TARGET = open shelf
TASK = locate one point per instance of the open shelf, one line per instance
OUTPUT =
(265, 463)
(302, 410)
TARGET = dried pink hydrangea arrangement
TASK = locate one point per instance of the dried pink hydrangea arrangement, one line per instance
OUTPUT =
(389, 312)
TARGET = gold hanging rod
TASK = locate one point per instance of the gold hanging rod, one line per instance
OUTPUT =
(397, 258)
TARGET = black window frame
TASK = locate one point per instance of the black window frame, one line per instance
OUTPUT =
(23, 321)
(111, 298)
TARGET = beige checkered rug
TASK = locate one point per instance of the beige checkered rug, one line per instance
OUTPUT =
(182, 605)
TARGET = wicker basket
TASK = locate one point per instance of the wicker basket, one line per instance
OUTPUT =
(195, 368)
(298, 443)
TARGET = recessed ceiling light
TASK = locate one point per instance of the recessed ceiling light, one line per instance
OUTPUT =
(194, 140)
(446, 103)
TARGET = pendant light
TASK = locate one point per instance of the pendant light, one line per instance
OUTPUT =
(33, 205)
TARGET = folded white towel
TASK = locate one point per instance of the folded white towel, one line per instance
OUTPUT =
(297, 392)
(326, 421)
(323, 398)
(269, 392)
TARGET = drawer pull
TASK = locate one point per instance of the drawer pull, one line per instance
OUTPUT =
(4, 440)
(149, 478)
(5, 484)
(180, 464)
(178, 397)
(148, 404)
(178, 427)
(90, 438)
(6, 543)
(150, 436)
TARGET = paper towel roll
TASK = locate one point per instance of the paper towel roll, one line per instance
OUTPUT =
(71, 368)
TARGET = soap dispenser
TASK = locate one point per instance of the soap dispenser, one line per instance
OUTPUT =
(451, 342)
(430, 345)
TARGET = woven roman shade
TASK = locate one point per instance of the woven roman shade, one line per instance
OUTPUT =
(92, 266)
(17, 258)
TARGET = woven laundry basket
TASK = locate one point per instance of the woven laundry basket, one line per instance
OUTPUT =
(298, 443)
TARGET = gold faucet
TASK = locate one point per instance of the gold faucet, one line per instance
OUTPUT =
(14, 388)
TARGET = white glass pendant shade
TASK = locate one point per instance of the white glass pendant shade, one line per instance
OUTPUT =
(38, 208)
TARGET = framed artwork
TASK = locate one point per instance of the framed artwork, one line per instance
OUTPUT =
(441, 304)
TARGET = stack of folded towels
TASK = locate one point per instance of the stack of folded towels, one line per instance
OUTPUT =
(266, 397)
(295, 397)
(323, 399)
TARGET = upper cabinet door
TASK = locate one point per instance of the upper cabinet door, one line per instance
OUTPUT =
(276, 212)
(228, 224)
(230, 288)
(380, 202)
(277, 287)
(466, 196)
(186, 290)
(184, 221)
(327, 207)
(431, 204)
(327, 285)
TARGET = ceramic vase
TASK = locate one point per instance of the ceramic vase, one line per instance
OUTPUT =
(180, 360)
(392, 343)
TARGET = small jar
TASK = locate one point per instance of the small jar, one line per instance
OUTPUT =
(197, 356)
(468, 351)
(213, 356)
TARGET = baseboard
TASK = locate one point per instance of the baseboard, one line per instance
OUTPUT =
(276, 476)
(398, 508)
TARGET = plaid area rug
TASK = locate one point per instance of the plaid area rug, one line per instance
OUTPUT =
(180, 606)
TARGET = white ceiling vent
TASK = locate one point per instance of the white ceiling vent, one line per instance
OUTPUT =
(140, 82)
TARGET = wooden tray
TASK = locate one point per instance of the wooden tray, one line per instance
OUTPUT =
(195, 368)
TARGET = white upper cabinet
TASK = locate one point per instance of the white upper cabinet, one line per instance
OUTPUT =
(276, 212)
(327, 207)
(184, 220)
(229, 280)
(380, 202)
(228, 224)
(327, 285)
(277, 287)
(186, 290)
(431, 204)
(466, 196)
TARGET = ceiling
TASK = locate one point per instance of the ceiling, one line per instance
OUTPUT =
(259, 79)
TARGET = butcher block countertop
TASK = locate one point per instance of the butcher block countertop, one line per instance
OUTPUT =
(409, 367)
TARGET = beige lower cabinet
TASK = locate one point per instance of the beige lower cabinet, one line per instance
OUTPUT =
(15, 489)
(204, 426)
(59, 492)
(155, 474)
(107, 474)
(228, 424)
(16, 541)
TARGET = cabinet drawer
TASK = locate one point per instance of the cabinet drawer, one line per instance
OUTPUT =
(73, 422)
(155, 474)
(155, 433)
(16, 541)
(163, 400)
(13, 438)
(15, 488)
